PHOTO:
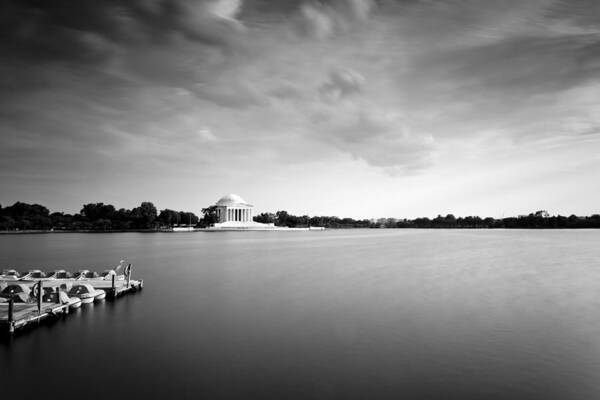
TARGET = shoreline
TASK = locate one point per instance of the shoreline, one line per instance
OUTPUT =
(284, 229)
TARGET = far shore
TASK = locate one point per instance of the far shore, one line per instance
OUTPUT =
(40, 231)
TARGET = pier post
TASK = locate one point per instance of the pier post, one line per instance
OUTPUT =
(128, 275)
(39, 297)
(113, 290)
(11, 310)
(58, 294)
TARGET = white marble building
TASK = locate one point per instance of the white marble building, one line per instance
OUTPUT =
(233, 208)
(235, 214)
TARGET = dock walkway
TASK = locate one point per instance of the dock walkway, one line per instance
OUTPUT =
(14, 316)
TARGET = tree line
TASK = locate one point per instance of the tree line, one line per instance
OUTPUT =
(283, 218)
(92, 217)
(105, 217)
(535, 220)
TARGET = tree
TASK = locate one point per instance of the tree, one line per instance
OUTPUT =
(264, 218)
(122, 219)
(281, 218)
(188, 218)
(144, 216)
(61, 220)
(93, 212)
(169, 218)
(210, 216)
(26, 216)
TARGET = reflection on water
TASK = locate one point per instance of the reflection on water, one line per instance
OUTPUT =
(335, 314)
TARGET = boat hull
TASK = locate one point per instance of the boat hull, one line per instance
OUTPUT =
(75, 303)
(87, 300)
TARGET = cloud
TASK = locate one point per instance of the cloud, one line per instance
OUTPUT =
(395, 84)
(212, 22)
(323, 19)
(230, 92)
(523, 88)
(342, 83)
(380, 138)
(578, 13)
(100, 31)
(315, 21)
(206, 135)
(286, 91)
(353, 123)
(225, 9)
(530, 65)
(189, 44)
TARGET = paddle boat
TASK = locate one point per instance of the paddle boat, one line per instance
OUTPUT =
(10, 275)
(18, 291)
(33, 275)
(50, 296)
(108, 274)
(60, 274)
(86, 293)
(85, 274)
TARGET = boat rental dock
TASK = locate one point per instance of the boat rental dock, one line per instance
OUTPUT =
(16, 315)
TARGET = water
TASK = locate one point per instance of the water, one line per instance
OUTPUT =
(352, 314)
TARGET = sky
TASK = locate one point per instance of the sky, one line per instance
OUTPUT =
(358, 108)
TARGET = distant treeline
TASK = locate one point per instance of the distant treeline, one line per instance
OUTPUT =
(105, 217)
(92, 217)
(536, 220)
(282, 218)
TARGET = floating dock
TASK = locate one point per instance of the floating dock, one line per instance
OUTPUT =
(15, 316)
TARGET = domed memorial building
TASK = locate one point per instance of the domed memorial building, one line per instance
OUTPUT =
(233, 208)
(235, 213)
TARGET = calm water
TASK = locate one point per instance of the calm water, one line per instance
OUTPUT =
(359, 314)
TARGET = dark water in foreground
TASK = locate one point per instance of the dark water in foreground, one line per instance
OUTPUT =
(316, 315)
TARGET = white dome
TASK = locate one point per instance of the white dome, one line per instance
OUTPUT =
(231, 199)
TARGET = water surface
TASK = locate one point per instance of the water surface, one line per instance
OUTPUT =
(350, 314)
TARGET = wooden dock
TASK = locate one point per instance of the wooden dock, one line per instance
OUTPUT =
(18, 315)
(14, 316)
